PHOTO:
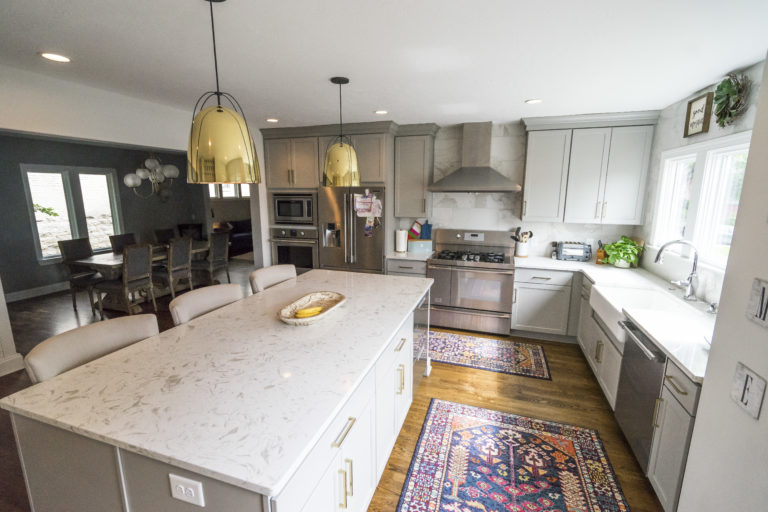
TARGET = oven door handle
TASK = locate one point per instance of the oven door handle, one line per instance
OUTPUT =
(486, 271)
(291, 241)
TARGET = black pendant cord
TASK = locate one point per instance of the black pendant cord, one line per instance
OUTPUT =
(341, 129)
(215, 59)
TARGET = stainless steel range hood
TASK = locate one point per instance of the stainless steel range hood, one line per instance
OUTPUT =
(475, 173)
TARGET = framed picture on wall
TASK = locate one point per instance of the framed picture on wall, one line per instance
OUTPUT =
(698, 115)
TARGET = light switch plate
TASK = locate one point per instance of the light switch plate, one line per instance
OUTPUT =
(184, 489)
(748, 390)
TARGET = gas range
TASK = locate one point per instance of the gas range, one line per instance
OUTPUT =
(474, 279)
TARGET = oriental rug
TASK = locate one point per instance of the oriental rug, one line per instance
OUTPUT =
(472, 459)
(496, 355)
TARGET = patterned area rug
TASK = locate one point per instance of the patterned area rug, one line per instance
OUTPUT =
(471, 459)
(512, 357)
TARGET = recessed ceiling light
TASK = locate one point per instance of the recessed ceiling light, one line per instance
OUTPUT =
(381, 112)
(533, 101)
(55, 57)
(272, 120)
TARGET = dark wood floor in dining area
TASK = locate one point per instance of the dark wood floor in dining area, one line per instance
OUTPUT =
(572, 396)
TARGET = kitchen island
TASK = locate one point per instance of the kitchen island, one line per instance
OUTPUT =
(263, 415)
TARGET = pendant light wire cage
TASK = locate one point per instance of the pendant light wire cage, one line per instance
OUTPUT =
(341, 168)
(221, 148)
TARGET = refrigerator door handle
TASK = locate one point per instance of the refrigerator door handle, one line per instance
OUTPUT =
(352, 236)
(346, 216)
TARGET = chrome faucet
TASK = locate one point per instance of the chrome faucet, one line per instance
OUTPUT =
(688, 283)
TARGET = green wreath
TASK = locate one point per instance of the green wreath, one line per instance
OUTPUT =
(731, 98)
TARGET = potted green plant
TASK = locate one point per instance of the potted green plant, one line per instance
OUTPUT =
(623, 253)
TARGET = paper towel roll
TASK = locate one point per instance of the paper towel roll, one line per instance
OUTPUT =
(401, 240)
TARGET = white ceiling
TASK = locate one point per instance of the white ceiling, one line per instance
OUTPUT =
(443, 61)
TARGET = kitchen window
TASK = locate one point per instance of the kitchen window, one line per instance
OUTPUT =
(70, 202)
(229, 191)
(699, 193)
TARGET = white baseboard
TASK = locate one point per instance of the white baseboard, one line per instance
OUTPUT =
(11, 364)
(36, 292)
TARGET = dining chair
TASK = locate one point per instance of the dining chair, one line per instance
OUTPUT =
(179, 264)
(137, 277)
(263, 278)
(81, 345)
(80, 277)
(120, 242)
(218, 256)
(203, 300)
(193, 231)
(164, 236)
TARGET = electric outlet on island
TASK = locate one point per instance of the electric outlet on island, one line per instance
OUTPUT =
(184, 489)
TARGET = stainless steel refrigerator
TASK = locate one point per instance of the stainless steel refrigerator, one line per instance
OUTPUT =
(344, 241)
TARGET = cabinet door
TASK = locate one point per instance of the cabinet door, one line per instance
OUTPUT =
(585, 315)
(541, 308)
(326, 494)
(413, 161)
(304, 162)
(546, 175)
(669, 450)
(586, 174)
(371, 161)
(610, 368)
(277, 160)
(358, 463)
(404, 385)
(627, 174)
(385, 415)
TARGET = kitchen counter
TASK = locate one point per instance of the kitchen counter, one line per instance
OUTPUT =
(680, 334)
(235, 394)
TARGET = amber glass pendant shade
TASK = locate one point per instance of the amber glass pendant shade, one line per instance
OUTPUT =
(341, 165)
(221, 149)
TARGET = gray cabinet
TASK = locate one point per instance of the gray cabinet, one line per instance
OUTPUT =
(371, 151)
(587, 175)
(546, 175)
(291, 163)
(413, 166)
(541, 301)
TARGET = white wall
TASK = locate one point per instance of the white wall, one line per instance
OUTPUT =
(728, 461)
(502, 211)
(669, 135)
(40, 104)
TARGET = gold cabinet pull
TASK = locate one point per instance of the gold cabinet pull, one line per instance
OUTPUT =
(344, 503)
(656, 408)
(525, 207)
(400, 345)
(340, 439)
(401, 371)
(672, 383)
(351, 476)
(597, 210)
(599, 351)
(605, 207)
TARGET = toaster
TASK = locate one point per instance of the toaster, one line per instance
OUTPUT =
(573, 251)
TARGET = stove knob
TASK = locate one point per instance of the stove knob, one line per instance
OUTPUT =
(282, 232)
(301, 233)
(458, 235)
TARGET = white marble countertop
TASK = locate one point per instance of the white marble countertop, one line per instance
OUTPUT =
(680, 334)
(410, 256)
(235, 394)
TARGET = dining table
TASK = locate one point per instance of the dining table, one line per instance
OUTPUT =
(110, 265)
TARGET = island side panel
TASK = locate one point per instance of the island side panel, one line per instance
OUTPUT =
(148, 488)
(66, 471)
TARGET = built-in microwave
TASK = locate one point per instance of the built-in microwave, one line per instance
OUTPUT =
(293, 208)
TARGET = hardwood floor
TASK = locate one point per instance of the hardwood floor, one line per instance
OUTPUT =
(572, 396)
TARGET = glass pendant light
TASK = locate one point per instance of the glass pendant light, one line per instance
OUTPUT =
(221, 148)
(340, 157)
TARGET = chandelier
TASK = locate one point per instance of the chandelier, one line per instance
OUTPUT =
(156, 173)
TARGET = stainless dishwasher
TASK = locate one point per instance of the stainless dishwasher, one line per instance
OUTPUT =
(640, 381)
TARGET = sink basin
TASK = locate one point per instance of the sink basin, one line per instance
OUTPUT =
(608, 303)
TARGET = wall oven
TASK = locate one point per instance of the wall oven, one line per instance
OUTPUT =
(293, 208)
(295, 246)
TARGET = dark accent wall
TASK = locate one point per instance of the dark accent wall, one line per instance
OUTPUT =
(19, 267)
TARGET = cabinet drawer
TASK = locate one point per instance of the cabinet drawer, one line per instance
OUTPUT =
(550, 277)
(398, 344)
(301, 485)
(586, 287)
(683, 389)
(406, 267)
